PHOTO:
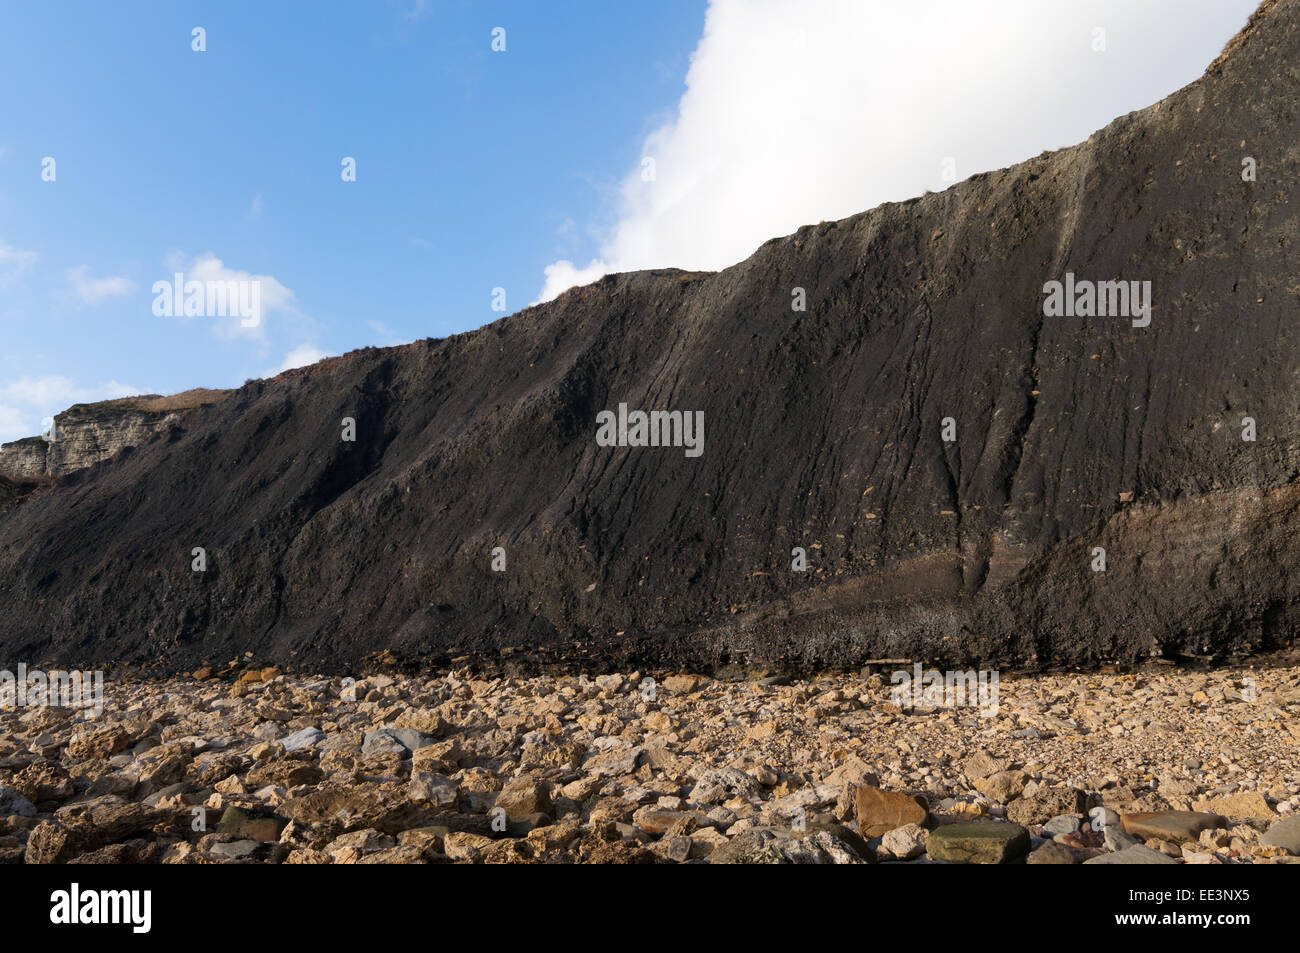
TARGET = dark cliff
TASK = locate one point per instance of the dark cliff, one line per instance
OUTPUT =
(823, 431)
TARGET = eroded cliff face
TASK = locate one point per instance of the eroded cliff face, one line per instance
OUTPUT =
(24, 459)
(86, 434)
(80, 441)
(950, 459)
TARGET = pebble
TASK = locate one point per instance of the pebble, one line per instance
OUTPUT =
(904, 843)
(1062, 824)
(1284, 834)
(409, 769)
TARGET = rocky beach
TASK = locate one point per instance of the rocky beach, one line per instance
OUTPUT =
(991, 555)
(1158, 765)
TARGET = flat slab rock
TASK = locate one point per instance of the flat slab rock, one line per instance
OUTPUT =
(1176, 826)
(880, 812)
(1284, 834)
(1137, 854)
(1051, 852)
(978, 842)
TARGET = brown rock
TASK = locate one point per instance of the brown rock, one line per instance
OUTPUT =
(1083, 840)
(1052, 853)
(355, 807)
(1046, 804)
(507, 851)
(230, 785)
(611, 809)
(1002, 786)
(284, 773)
(44, 781)
(213, 768)
(425, 838)
(609, 763)
(466, 847)
(983, 764)
(881, 811)
(239, 823)
(441, 757)
(684, 684)
(853, 771)
(396, 855)
(101, 743)
(53, 842)
(433, 788)
(675, 849)
(132, 852)
(49, 843)
(165, 767)
(562, 754)
(1241, 804)
(1173, 826)
(307, 857)
(522, 797)
(426, 720)
(583, 788)
(656, 820)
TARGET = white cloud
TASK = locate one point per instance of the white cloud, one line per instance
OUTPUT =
(387, 336)
(272, 296)
(419, 10)
(300, 356)
(28, 401)
(13, 263)
(13, 424)
(255, 208)
(799, 111)
(39, 390)
(94, 290)
(564, 274)
(62, 391)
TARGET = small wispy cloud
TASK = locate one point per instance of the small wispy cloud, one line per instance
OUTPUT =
(564, 274)
(300, 356)
(57, 389)
(13, 263)
(387, 337)
(255, 208)
(272, 296)
(27, 402)
(13, 424)
(418, 10)
(94, 290)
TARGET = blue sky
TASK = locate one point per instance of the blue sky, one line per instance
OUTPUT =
(478, 169)
(473, 169)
